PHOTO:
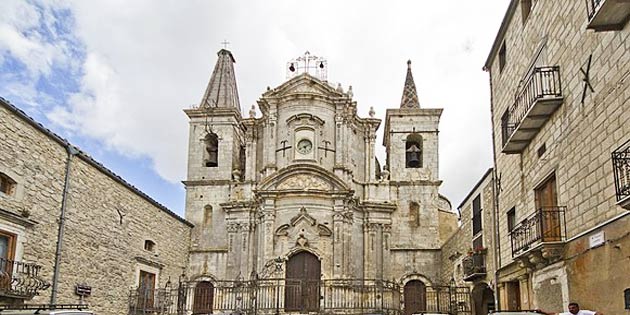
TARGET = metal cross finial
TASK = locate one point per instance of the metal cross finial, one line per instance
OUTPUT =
(225, 43)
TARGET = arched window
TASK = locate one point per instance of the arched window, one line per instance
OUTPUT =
(211, 154)
(413, 151)
(149, 245)
(7, 184)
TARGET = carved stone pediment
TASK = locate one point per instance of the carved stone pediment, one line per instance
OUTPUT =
(303, 216)
(304, 181)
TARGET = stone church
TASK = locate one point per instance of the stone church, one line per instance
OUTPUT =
(298, 193)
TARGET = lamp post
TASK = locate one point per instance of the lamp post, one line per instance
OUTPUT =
(278, 261)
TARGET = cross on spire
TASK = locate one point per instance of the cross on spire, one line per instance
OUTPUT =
(225, 44)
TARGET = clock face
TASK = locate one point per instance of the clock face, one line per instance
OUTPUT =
(304, 146)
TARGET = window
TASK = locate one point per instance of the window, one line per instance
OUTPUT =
(413, 151)
(502, 57)
(506, 130)
(149, 245)
(526, 8)
(477, 215)
(7, 184)
(478, 244)
(511, 219)
(211, 154)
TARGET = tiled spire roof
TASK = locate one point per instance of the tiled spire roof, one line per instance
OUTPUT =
(410, 95)
(221, 90)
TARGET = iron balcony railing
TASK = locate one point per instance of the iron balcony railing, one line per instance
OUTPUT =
(474, 265)
(543, 82)
(20, 280)
(282, 296)
(592, 6)
(547, 224)
(621, 168)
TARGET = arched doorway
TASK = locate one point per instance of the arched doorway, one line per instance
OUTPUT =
(415, 295)
(483, 299)
(204, 297)
(301, 291)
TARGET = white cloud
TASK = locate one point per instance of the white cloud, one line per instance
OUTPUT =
(148, 60)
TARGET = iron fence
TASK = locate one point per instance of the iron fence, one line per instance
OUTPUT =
(621, 167)
(20, 279)
(547, 224)
(280, 296)
(543, 82)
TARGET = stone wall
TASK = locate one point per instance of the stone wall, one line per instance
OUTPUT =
(578, 137)
(106, 225)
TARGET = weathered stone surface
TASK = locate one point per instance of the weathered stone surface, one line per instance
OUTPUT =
(106, 222)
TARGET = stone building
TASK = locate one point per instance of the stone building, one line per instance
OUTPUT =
(468, 256)
(298, 195)
(70, 226)
(559, 77)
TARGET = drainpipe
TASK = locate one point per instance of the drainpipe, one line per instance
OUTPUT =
(495, 194)
(72, 151)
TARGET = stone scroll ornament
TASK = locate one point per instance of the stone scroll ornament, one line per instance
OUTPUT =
(304, 181)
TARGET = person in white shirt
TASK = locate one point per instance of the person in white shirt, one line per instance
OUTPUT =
(574, 309)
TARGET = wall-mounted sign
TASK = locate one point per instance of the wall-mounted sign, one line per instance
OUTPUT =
(596, 239)
(83, 290)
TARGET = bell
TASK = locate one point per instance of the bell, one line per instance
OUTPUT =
(213, 157)
(321, 65)
(292, 67)
(413, 157)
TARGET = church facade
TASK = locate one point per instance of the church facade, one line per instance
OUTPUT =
(298, 194)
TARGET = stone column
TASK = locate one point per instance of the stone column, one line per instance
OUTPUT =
(233, 254)
(369, 235)
(387, 233)
(338, 245)
(265, 242)
(523, 282)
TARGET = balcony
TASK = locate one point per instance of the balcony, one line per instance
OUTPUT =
(20, 280)
(474, 266)
(538, 240)
(607, 15)
(621, 168)
(535, 102)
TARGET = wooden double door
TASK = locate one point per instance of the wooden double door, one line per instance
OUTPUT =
(415, 297)
(302, 283)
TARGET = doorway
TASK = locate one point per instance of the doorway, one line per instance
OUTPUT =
(302, 283)
(415, 294)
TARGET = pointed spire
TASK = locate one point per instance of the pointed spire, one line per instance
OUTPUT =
(221, 90)
(410, 95)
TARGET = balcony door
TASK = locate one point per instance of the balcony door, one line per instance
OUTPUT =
(7, 250)
(548, 212)
(302, 282)
(415, 297)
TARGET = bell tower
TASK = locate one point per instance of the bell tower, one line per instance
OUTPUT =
(215, 156)
(411, 137)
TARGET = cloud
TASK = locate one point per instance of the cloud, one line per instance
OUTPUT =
(138, 64)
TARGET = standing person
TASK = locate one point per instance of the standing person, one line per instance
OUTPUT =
(574, 309)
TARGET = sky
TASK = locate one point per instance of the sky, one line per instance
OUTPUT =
(113, 76)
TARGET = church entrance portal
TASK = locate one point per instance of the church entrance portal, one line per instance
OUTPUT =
(415, 297)
(204, 297)
(302, 283)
